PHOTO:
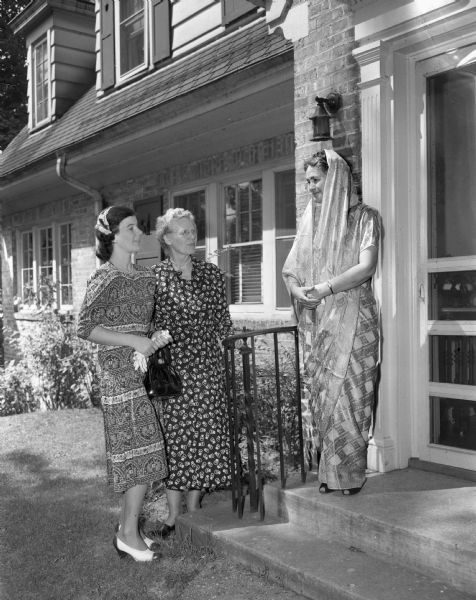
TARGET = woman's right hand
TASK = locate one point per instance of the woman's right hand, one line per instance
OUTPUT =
(299, 293)
(145, 345)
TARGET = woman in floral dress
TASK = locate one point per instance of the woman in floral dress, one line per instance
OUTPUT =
(191, 304)
(116, 314)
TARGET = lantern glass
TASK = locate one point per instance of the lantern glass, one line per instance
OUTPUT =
(320, 125)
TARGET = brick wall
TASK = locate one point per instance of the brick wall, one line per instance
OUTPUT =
(323, 62)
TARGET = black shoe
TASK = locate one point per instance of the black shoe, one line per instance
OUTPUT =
(323, 489)
(351, 491)
(162, 531)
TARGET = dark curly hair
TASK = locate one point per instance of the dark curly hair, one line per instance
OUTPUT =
(107, 225)
(317, 160)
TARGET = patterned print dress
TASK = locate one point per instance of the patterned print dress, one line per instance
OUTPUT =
(124, 302)
(196, 423)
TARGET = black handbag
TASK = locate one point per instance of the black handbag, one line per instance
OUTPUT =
(161, 378)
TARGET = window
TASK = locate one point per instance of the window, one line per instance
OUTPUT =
(246, 226)
(40, 82)
(26, 278)
(135, 35)
(243, 240)
(131, 37)
(45, 267)
(65, 271)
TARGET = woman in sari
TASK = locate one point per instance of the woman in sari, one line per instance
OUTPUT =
(328, 275)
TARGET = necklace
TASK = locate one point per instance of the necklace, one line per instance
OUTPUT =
(179, 266)
(128, 269)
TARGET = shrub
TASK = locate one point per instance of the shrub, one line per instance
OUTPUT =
(62, 366)
(16, 391)
(56, 368)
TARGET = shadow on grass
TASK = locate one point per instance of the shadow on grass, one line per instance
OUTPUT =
(56, 537)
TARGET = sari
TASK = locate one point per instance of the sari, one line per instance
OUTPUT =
(341, 336)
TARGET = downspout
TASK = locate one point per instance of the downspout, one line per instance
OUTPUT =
(79, 185)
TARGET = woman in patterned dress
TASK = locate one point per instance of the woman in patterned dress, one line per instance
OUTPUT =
(191, 304)
(116, 314)
(328, 274)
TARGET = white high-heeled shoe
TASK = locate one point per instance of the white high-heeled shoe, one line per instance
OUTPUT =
(149, 542)
(124, 550)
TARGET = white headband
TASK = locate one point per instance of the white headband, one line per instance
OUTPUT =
(102, 224)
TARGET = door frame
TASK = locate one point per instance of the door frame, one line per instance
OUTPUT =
(391, 182)
(426, 450)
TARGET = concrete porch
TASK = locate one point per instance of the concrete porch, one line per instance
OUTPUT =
(408, 535)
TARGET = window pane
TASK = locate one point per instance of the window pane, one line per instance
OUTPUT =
(453, 422)
(46, 247)
(452, 296)
(132, 38)
(244, 223)
(453, 359)
(256, 210)
(282, 250)
(230, 214)
(46, 283)
(244, 212)
(195, 202)
(27, 290)
(285, 203)
(452, 176)
(245, 274)
(65, 272)
(41, 81)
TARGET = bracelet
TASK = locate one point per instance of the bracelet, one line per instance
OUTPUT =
(330, 286)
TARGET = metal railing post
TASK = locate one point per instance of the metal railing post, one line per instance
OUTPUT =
(244, 418)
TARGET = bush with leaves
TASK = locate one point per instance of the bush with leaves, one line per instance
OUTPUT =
(62, 366)
(16, 392)
(56, 367)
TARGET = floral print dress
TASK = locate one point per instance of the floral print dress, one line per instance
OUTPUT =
(196, 423)
(124, 302)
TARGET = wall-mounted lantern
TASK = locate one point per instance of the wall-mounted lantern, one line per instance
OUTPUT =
(325, 109)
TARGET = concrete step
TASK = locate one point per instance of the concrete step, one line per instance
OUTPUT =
(423, 521)
(317, 568)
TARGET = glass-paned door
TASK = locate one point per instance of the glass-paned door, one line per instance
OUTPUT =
(450, 264)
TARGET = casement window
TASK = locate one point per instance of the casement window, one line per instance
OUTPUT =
(244, 240)
(45, 266)
(65, 279)
(26, 269)
(131, 35)
(135, 35)
(40, 81)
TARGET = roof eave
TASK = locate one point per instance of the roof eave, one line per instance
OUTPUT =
(38, 10)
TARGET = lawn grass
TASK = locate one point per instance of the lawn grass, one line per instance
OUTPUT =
(57, 518)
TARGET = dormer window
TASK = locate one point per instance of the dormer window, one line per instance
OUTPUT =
(132, 42)
(135, 35)
(40, 71)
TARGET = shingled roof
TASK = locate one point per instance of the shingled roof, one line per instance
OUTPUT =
(91, 114)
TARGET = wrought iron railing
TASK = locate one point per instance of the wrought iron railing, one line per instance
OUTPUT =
(254, 404)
